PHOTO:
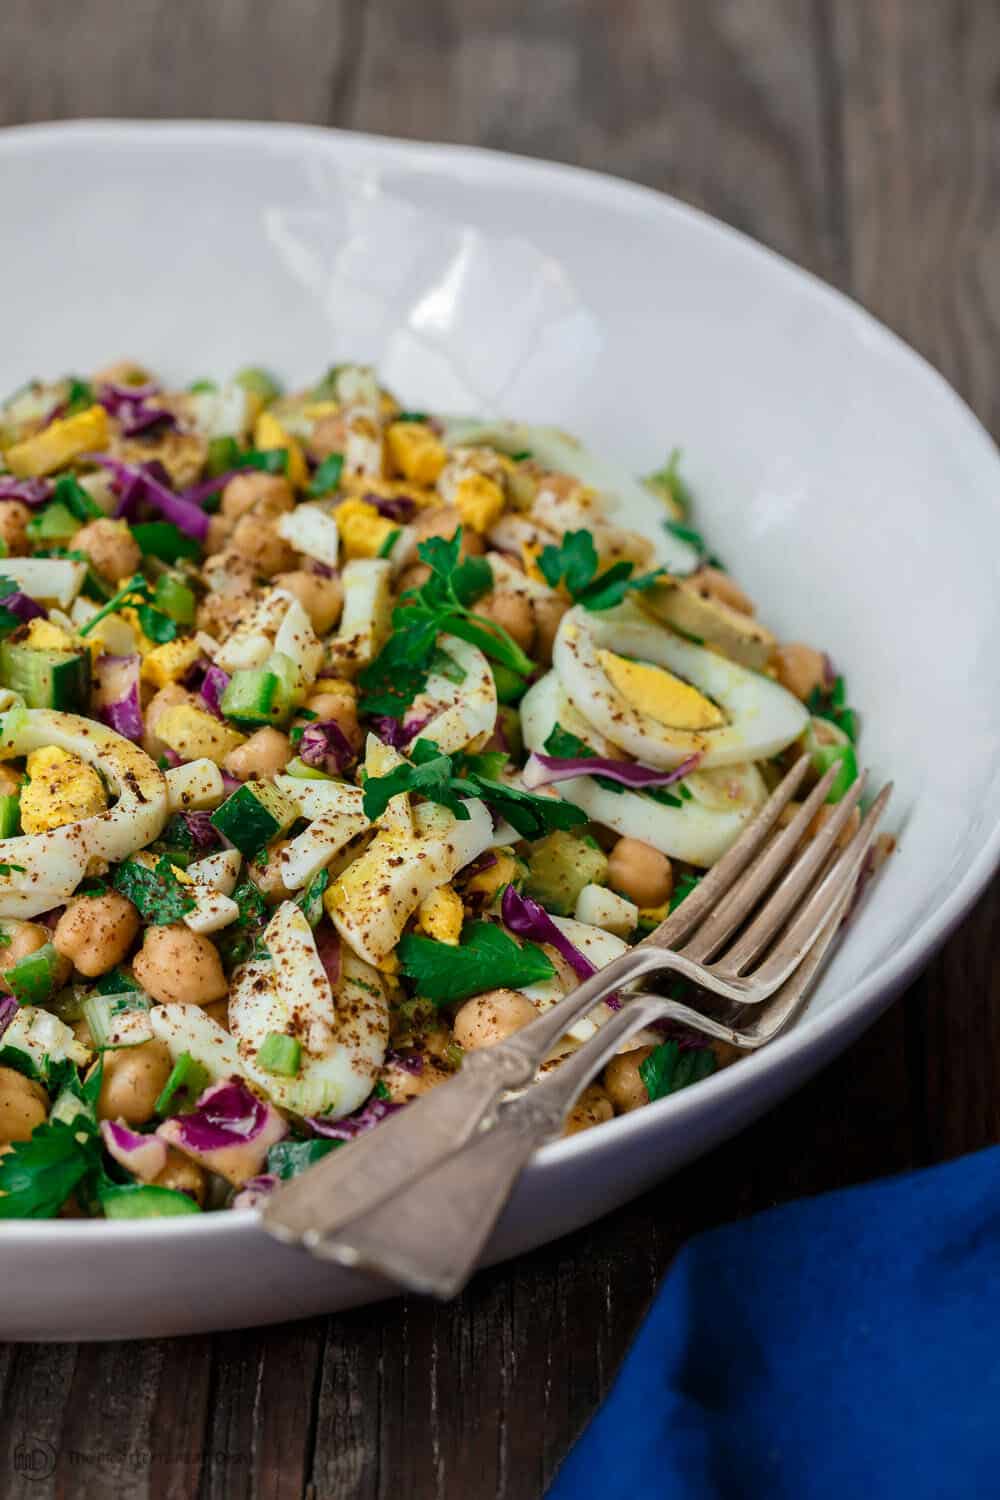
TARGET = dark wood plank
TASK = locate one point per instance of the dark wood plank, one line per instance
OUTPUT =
(231, 59)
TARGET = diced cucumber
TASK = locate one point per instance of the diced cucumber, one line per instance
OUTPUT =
(302, 772)
(52, 524)
(255, 815)
(259, 383)
(260, 695)
(33, 978)
(132, 1201)
(174, 597)
(10, 816)
(46, 679)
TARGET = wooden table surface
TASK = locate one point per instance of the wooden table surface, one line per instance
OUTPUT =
(858, 137)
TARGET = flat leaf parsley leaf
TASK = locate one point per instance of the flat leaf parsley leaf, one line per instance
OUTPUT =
(574, 563)
(487, 958)
(156, 893)
(668, 1069)
(400, 671)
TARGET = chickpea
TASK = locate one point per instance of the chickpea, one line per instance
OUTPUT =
(492, 1016)
(231, 596)
(268, 878)
(182, 1175)
(623, 1081)
(132, 1081)
(713, 583)
(26, 938)
(220, 529)
(321, 598)
(328, 436)
(444, 521)
(413, 577)
(95, 932)
(592, 1108)
(800, 668)
(404, 1085)
(14, 518)
(513, 612)
(823, 817)
(256, 538)
(23, 1105)
(548, 615)
(111, 547)
(342, 710)
(248, 491)
(180, 967)
(262, 756)
(640, 872)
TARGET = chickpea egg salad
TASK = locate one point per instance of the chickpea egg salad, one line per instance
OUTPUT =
(337, 740)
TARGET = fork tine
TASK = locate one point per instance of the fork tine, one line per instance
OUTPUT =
(722, 876)
(741, 899)
(811, 918)
(790, 893)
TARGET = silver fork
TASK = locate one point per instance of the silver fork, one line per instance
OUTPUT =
(429, 1236)
(317, 1205)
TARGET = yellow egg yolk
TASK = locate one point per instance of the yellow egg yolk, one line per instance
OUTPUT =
(659, 694)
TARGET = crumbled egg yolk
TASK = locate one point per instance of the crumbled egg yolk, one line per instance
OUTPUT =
(659, 694)
(479, 501)
(193, 734)
(59, 443)
(416, 451)
(494, 877)
(268, 434)
(440, 915)
(44, 636)
(363, 532)
(62, 789)
(170, 662)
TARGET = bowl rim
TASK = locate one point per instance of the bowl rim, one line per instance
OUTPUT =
(861, 1000)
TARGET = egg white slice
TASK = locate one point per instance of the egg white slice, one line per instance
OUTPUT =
(464, 711)
(699, 831)
(762, 718)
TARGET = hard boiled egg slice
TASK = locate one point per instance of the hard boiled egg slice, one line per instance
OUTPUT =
(699, 829)
(663, 699)
(461, 696)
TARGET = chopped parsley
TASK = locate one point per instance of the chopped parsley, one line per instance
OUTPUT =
(668, 483)
(391, 539)
(156, 893)
(683, 887)
(289, 1157)
(71, 493)
(832, 706)
(668, 1068)
(327, 476)
(239, 940)
(574, 563)
(310, 900)
(400, 671)
(38, 1175)
(446, 779)
(136, 594)
(487, 958)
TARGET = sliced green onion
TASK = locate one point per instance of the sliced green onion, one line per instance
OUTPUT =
(298, 768)
(10, 816)
(180, 1092)
(175, 599)
(120, 1020)
(32, 978)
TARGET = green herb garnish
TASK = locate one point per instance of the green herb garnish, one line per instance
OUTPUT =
(668, 1069)
(156, 893)
(574, 563)
(487, 958)
(327, 476)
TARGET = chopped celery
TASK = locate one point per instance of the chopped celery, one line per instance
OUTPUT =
(180, 1092)
(280, 1054)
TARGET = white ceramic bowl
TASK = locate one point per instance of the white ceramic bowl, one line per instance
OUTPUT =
(850, 489)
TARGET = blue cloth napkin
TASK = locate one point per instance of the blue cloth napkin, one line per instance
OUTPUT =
(847, 1346)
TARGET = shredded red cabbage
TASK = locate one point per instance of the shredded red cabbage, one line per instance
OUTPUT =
(321, 569)
(137, 482)
(687, 1041)
(373, 1113)
(128, 404)
(527, 919)
(543, 770)
(325, 747)
(142, 1155)
(394, 732)
(227, 1114)
(213, 685)
(327, 942)
(28, 491)
(24, 606)
(116, 696)
(203, 833)
(8, 1010)
(401, 509)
